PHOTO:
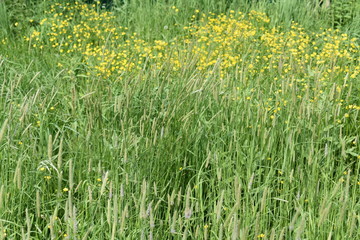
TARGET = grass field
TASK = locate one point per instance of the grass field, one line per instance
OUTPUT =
(209, 119)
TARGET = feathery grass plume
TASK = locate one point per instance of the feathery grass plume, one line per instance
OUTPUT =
(172, 198)
(263, 200)
(300, 230)
(71, 175)
(123, 219)
(122, 191)
(218, 174)
(50, 147)
(142, 213)
(38, 204)
(180, 222)
(257, 225)
(188, 205)
(273, 234)
(142, 236)
(344, 199)
(221, 231)
(294, 219)
(230, 214)
(235, 231)
(24, 110)
(3, 128)
(151, 216)
(197, 231)
(157, 205)
(23, 236)
(324, 211)
(90, 198)
(251, 180)
(244, 233)
(90, 164)
(74, 221)
(155, 189)
(352, 218)
(17, 174)
(219, 206)
(115, 217)
(67, 217)
(59, 167)
(110, 190)
(179, 196)
(104, 182)
(173, 223)
(109, 212)
(28, 223)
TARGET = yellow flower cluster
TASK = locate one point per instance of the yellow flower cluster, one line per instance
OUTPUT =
(106, 50)
(353, 107)
(225, 45)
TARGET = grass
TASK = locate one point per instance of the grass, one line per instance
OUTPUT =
(179, 120)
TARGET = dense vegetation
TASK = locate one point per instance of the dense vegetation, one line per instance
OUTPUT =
(179, 120)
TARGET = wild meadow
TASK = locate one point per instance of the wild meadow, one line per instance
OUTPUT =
(179, 119)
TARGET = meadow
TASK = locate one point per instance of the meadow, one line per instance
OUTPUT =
(179, 119)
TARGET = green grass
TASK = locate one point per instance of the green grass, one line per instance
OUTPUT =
(178, 154)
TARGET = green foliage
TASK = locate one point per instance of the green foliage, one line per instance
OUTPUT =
(238, 126)
(343, 12)
(15, 16)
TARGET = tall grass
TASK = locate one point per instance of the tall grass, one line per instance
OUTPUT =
(181, 143)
